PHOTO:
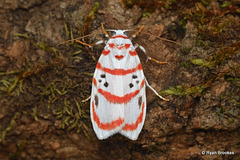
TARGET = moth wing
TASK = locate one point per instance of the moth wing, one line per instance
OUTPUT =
(107, 118)
(135, 111)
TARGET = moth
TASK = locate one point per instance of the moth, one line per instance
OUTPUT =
(118, 98)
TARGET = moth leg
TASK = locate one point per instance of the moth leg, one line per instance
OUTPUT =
(105, 32)
(148, 57)
(85, 100)
(148, 85)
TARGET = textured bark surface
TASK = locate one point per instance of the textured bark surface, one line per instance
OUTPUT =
(42, 83)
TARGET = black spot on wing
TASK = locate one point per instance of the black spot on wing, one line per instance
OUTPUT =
(140, 102)
(134, 76)
(131, 85)
(96, 100)
(103, 75)
(106, 84)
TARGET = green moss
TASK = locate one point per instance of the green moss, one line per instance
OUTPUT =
(24, 35)
(34, 114)
(13, 85)
(10, 127)
(226, 4)
(219, 57)
(230, 120)
(150, 6)
(66, 30)
(146, 14)
(70, 112)
(202, 62)
(55, 85)
(129, 3)
(90, 17)
(234, 80)
(168, 3)
(183, 91)
(206, 2)
(185, 64)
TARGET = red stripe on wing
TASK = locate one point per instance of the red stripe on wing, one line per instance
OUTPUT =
(120, 36)
(142, 83)
(94, 81)
(119, 71)
(106, 126)
(133, 126)
(118, 99)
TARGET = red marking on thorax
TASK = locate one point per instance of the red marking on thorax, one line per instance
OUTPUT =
(104, 52)
(119, 47)
(118, 71)
(111, 45)
(120, 36)
(133, 126)
(119, 57)
(106, 126)
(117, 99)
(133, 53)
(127, 46)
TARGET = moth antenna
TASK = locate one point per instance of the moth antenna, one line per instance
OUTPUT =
(75, 39)
(90, 45)
(140, 30)
(135, 34)
(106, 34)
(86, 44)
(148, 57)
(164, 39)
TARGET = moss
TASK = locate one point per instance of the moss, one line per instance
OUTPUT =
(226, 4)
(185, 64)
(219, 57)
(53, 83)
(234, 80)
(150, 6)
(201, 62)
(183, 91)
(24, 35)
(10, 127)
(34, 114)
(90, 17)
(70, 112)
(206, 2)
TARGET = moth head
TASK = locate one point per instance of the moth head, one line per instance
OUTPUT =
(119, 32)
